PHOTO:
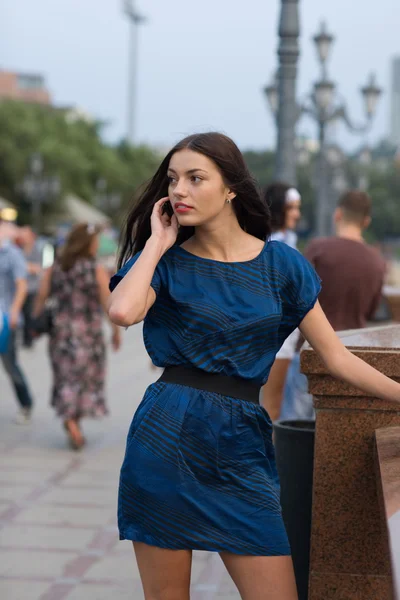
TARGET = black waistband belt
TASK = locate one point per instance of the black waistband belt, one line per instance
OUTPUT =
(236, 387)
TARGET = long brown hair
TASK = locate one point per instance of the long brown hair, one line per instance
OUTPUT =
(78, 244)
(250, 209)
(275, 197)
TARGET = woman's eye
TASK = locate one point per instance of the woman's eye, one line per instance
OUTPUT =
(196, 179)
(171, 179)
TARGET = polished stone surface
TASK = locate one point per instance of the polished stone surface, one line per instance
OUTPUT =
(388, 474)
(345, 586)
(350, 555)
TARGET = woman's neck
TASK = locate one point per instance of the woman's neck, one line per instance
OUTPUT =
(227, 243)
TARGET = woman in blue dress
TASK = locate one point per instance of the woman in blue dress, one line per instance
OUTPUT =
(218, 299)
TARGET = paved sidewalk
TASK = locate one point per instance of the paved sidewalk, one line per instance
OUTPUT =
(58, 535)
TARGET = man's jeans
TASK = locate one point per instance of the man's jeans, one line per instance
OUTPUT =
(10, 363)
(297, 402)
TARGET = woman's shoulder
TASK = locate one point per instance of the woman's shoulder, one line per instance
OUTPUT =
(281, 253)
(289, 263)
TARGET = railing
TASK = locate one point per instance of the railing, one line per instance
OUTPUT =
(350, 552)
(388, 483)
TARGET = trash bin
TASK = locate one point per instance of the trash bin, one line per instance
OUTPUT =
(294, 448)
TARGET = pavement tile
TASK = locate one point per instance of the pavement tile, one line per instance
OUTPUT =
(22, 590)
(199, 563)
(87, 591)
(25, 564)
(227, 590)
(45, 537)
(89, 478)
(42, 462)
(112, 567)
(20, 477)
(65, 495)
(66, 515)
(13, 493)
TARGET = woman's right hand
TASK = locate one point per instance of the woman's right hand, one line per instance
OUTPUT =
(163, 227)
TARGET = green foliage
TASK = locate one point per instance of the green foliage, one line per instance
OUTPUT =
(71, 149)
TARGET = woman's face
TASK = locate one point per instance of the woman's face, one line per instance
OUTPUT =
(293, 214)
(196, 189)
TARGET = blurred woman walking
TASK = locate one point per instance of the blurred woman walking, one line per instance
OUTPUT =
(78, 288)
(285, 206)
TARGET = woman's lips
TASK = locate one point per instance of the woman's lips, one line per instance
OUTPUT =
(180, 207)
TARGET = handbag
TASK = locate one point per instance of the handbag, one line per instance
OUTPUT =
(43, 324)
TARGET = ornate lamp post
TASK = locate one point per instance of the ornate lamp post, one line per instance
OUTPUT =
(39, 189)
(135, 19)
(323, 109)
(281, 94)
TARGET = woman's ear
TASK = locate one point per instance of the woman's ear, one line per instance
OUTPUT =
(231, 195)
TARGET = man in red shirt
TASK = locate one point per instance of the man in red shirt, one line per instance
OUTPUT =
(352, 274)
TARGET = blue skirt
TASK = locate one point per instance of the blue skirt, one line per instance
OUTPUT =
(199, 473)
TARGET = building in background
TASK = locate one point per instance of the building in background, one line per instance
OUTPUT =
(28, 87)
(394, 134)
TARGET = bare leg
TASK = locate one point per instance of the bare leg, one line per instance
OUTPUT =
(74, 433)
(262, 577)
(272, 393)
(165, 574)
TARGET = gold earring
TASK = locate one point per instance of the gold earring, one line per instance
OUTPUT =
(227, 201)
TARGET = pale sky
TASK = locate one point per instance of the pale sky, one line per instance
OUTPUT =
(201, 64)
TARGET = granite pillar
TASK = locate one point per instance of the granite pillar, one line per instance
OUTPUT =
(392, 296)
(350, 556)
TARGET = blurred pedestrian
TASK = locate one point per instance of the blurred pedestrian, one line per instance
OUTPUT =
(284, 203)
(78, 289)
(352, 273)
(13, 291)
(33, 250)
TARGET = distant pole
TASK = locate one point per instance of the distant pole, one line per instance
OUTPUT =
(132, 81)
(288, 53)
(134, 21)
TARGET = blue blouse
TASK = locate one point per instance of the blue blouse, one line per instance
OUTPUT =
(229, 318)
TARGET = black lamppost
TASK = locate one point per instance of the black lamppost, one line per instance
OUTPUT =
(323, 108)
(38, 189)
(282, 92)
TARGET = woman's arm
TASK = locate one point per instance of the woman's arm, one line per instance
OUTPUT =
(341, 363)
(131, 300)
(133, 297)
(43, 293)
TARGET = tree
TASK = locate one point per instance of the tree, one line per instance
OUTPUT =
(72, 150)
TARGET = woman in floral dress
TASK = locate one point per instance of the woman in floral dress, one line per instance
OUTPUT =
(78, 288)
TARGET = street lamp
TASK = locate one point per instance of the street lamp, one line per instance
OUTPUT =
(38, 189)
(135, 19)
(322, 108)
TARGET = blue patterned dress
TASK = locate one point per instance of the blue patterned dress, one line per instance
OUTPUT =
(199, 470)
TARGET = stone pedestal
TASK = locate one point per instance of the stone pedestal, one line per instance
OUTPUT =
(349, 544)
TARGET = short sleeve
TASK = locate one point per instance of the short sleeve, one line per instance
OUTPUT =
(300, 287)
(115, 279)
(18, 264)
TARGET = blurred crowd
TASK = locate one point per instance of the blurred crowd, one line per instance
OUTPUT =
(61, 292)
